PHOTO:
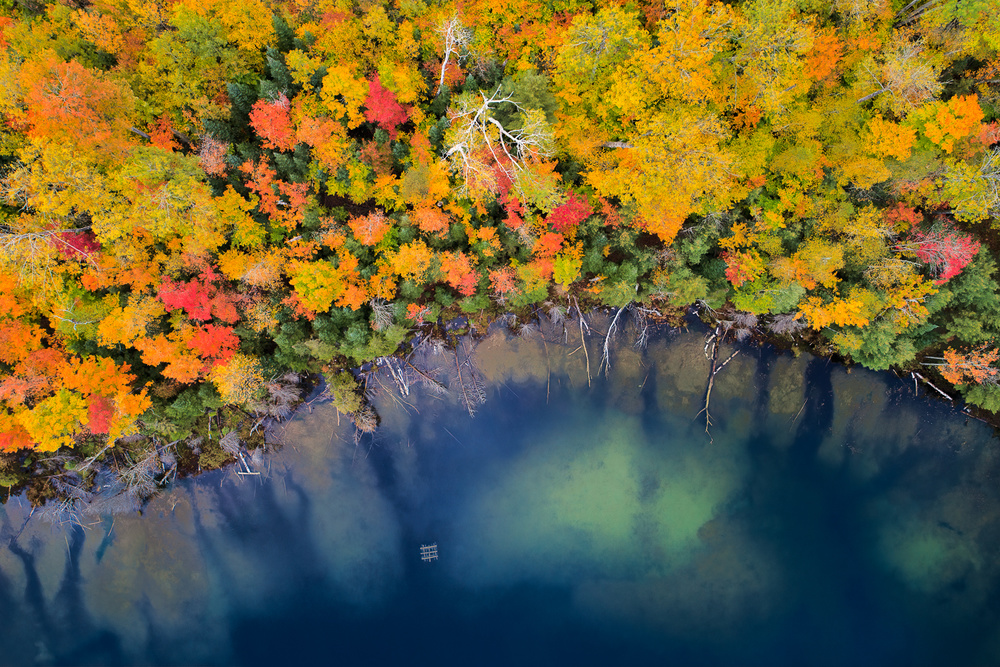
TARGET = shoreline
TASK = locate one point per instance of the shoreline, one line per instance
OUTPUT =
(204, 451)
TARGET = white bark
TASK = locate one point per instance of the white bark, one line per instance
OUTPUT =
(456, 36)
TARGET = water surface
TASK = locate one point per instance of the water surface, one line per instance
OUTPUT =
(830, 517)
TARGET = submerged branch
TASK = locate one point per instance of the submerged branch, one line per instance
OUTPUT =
(583, 341)
(606, 359)
(712, 372)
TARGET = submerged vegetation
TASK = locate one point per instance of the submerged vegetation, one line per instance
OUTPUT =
(205, 203)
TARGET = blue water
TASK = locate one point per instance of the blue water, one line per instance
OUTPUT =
(828, 518)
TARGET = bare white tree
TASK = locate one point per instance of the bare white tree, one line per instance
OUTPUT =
(483, 150)
(456, 38)
(906, 74)
(382, 313)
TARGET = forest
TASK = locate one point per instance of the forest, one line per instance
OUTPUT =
(204, 202)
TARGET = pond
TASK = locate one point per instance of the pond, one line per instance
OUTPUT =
(828, 517)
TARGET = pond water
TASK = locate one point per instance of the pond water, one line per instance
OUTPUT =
(830, 518)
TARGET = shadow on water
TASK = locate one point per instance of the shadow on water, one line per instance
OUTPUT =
(69, 604)
(818, 415)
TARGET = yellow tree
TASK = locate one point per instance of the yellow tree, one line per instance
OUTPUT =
(644, 119)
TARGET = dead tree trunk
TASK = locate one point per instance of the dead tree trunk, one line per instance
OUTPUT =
(606, 359)
(583, 341)
(712, 371)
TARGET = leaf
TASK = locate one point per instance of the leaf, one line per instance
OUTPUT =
(238, 379)
(382, 108)
(456, 268)
(55, 422)
(947, 122)
(272, 121)
(412, 261)
(568, 216)
(370, 229)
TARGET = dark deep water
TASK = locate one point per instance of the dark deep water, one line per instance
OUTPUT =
(833, 519)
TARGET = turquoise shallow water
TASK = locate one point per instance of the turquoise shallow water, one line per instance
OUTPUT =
(832, 518)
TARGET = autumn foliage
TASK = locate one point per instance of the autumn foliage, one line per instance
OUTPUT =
(382, 108)
(272, 121)
(568, 215)
(197, 199)
(945, 250)
(975, 366)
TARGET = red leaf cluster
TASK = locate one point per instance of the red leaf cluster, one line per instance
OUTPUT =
(418, 313)
(193, 296)
(212, 156)
(382, 108)
(5, 22)
(378, 156)
(511, 203)
(370, 229)
(100, 412)
(567, 216)
(215, 343)
(548, 244)
(14, 439)
(161, 134)
(503, 281)
(610, 213)
(902, 217)
(514, 211)
(741, 267)
(262, 182)
(200, 298)
(458, 272)
(989, 134)
(946, 251)
(503, 172)
(453, 75)
(76, 244)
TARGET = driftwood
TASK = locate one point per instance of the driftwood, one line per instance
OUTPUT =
(548, 370)
(930, 384)
(247, 469)
(398, 375)
(642, 322)
(803, 407)
(427, 378)
(471, 398)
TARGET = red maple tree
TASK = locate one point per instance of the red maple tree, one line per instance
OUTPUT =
(214, 343)
(382, 108)
(199, 297)
(73, 244)
(567, 216)
(272, 121)
(100, 412)
(945, 250)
